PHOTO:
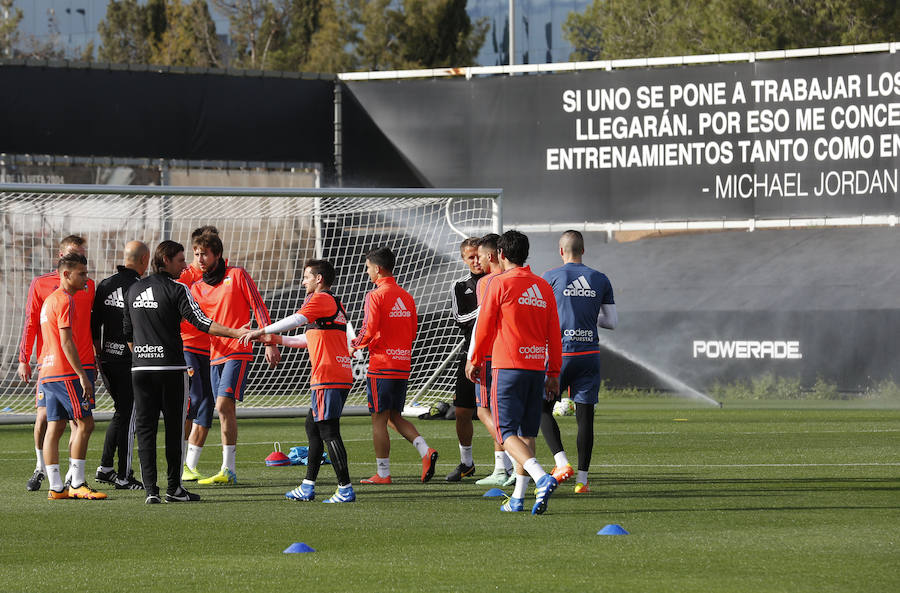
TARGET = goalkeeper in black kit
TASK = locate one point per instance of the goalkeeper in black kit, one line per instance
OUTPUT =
(154, 308)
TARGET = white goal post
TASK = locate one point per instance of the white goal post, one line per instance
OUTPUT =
(270, 232)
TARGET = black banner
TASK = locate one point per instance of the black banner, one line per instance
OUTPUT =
(804, 137)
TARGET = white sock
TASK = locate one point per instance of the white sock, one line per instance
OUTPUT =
(56, 481)
(77, 472)
(508, 462)
(499, 461)
(465, 455)
(228, 456)
(40, 461)
(582, 477)
(560, 459)
(309, 482)
(384, 466)
(105, 469)
(69, 471)
(534, 469)
(193, 456)
(521, 486)
(421, 446)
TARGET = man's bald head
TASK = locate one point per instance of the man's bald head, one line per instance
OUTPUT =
(137, 256)
(572, 243)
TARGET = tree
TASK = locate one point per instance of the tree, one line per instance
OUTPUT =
(130, 30)
(9, 27)
(612, 29)
(188, 38)
(254, 25)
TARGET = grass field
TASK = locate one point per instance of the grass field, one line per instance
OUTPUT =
(798, 496)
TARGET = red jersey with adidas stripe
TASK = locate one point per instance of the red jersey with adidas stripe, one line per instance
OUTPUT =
(518, 324)
(326, 336)
(231, 303)
(40, 288)
(60, 311)
(194, 340)
(388, 330)
(480, 290)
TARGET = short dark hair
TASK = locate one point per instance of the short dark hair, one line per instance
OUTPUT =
(323, 267)
(209, 241)
(70, 261)
(489, 241)
(514, 246)
(165, 250)
(382, 257)
(469, 242)
(203, 230)
(73, 240)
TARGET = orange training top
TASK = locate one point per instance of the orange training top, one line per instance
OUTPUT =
(195, 341)
(60, 311)
(326, 336)
(388, 330)
(40, 288)
(519, 310)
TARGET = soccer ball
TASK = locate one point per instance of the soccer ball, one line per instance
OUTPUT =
(564, 407)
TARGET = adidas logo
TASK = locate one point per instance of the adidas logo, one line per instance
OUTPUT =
(145, 300)
(579, 287)
(115, 299)
(400, 310)
(468, 291)
(533, 297)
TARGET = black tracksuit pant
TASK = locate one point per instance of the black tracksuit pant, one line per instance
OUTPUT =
(154, 392)
(120, 432)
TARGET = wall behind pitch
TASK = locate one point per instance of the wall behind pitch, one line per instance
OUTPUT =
(770, 139)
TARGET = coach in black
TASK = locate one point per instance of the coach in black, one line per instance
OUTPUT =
(114, 363)
(464, 308)
(154, 308)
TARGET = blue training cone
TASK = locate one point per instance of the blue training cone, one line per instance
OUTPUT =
(298, 548)
(494, 493)
(612, 529)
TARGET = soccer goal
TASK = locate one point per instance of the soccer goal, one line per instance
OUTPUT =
(270, 232)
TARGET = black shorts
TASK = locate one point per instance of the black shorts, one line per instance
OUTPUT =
(465, 389)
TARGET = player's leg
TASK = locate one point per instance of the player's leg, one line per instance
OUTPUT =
(84, 427)
(464, 403)
(147, 405)
(504, 473)
(228, 382)
(202, 403)
(40, 429)
(562, 469)
(381, 441)
(395, 393)
(174, 409)
(53, 432)
(585, 387)
(106, 472)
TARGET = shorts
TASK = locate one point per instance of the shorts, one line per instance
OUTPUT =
(39, 400)
(465, 389)
(229, 379)
(580, 375)
(385, 394)
(65, 399)
(517, 396)
(202, 402)
(328, 404)
(484, 387)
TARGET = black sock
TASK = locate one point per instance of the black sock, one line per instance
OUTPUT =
(550, 429)
(331, 433)
(584, 416)
(316, 448)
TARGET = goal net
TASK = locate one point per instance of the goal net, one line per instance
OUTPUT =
(271, 233)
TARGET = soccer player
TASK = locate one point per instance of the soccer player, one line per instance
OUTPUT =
(114, 363)
(67, 378)
(464, 308)
(503, 474)
(519, 310)
(325, 320)
(154, 308)
(40, 289)
(584, 300)
(228, 295)
(196, 355)
(388, 330)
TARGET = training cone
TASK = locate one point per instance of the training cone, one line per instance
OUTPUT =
(276, 458)
(493, 493)
(612, 529)
(298, 548)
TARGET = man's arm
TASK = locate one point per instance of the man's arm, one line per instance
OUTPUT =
(607, 319)
(251, 293)
(554, 349)
(485, 331)
(370, 324)
(71, 352)
(29, 331)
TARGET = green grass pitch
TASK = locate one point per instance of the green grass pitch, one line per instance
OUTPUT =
(753, 498)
